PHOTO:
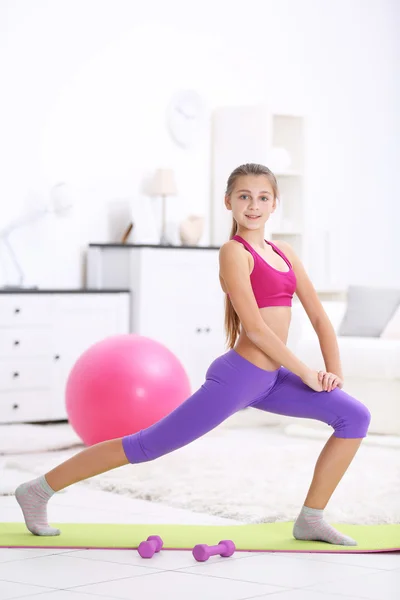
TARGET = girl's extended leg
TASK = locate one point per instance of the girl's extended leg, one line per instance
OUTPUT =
(33, 496)
(350, 420)
(232, 383)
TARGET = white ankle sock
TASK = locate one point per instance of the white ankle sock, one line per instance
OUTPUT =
(32, 497)
(310, 525)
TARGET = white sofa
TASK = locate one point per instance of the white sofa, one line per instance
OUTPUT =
(371, 366)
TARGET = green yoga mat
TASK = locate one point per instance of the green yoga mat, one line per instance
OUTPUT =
(267, 537)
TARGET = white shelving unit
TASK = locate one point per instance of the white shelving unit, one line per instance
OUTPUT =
(288, 222)
(251, 134)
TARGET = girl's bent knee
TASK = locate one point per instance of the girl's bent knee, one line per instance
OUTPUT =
(354, 423)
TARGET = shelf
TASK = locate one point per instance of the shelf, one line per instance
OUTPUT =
(293, 232)
(288, 174)
(331, 290)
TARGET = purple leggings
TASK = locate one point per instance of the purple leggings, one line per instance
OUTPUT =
(233, 383)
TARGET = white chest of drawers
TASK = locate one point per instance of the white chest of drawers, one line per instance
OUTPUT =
(42, 334)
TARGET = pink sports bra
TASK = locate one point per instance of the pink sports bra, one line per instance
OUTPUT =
(270, 286)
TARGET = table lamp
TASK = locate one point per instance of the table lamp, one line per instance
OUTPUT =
(60, 203)
(163, 184)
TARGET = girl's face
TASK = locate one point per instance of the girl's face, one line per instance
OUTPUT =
(251, 201)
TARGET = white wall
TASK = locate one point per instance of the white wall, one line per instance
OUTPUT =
(85, 88)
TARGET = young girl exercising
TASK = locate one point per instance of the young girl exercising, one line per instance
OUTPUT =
(259, 279)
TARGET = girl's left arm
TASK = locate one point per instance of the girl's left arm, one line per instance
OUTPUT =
(329, 346)
(315, 311)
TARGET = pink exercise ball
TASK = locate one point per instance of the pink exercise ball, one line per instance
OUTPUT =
(121, 385)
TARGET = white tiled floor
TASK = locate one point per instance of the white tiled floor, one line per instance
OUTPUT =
(110, 574)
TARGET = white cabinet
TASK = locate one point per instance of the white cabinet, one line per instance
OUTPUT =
(42, 334)
(176, 297)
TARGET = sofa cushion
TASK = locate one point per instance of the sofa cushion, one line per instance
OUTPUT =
(369, 309)
(392, 329)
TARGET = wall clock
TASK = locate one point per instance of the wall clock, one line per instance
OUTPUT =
(186, 117)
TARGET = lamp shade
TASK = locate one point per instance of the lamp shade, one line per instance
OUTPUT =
(163, 183)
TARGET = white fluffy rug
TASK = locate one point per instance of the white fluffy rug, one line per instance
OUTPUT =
(23, 438)
(254, 474)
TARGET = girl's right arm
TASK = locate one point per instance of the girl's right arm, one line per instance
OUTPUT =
(234, 268)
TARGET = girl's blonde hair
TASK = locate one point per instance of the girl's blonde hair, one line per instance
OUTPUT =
(232, 322)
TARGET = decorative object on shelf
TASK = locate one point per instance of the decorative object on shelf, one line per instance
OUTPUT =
(127, 233)
(191, 230)
(164, 185)
(280, 160)
(59, 205)
(186, 114)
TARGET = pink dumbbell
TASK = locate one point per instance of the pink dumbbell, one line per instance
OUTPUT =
(152, 545)
(202, 552)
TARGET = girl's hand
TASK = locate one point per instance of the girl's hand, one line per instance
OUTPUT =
(311, 378)
(329, 381)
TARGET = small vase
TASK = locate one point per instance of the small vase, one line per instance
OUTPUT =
(191, 230)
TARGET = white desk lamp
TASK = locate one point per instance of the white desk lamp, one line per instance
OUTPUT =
(60, 203)
(163, 185)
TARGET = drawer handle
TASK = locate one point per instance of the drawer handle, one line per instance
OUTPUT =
(198, 329)
(15, 374)
(208, 329)
(15, 406)
(56, 357)
(16, 342)
(17, 310)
